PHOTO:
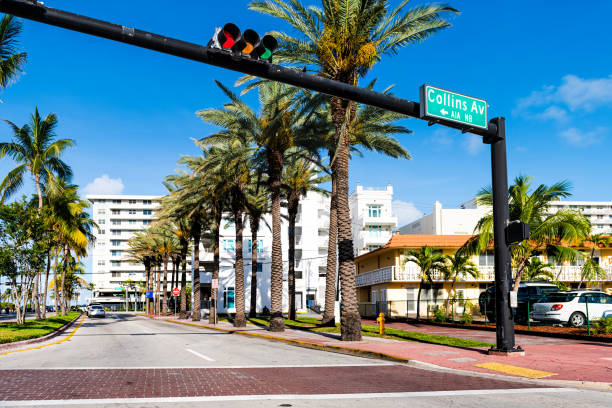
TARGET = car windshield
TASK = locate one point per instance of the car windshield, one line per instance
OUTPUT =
(558, 297)
(96, 307)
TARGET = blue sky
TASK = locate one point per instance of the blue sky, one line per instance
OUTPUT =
(132, 111)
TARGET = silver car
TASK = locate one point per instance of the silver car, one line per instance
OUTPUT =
(96, 311)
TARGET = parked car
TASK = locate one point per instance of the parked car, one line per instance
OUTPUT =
(529, 293)
(571, 307)
(96, 311)
(50, 309)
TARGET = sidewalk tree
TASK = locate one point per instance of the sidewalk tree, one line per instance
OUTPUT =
(429, 260)
(257, 204)
(342, 41)
(458, 266)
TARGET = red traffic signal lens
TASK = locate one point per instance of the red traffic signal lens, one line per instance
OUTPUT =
(229, 35)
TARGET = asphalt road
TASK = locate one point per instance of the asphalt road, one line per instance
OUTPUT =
(127, 360)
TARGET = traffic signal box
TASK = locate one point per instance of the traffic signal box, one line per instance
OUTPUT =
(230, 38)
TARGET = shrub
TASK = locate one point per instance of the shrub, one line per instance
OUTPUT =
(466, 318)
(604, 325)
(439, 314)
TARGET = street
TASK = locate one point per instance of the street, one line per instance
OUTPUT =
(128, 360)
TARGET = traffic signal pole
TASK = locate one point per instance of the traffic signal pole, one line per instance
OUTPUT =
(493, 134)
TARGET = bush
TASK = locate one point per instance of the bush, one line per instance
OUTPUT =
(439, 314)
(466, 318)
(604, 325)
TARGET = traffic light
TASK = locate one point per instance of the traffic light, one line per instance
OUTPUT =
(230, 38)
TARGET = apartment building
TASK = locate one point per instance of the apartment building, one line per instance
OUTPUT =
(598, 212)
(372, 217)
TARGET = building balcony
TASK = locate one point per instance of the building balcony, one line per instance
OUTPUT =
(375, 237)
(382, 220)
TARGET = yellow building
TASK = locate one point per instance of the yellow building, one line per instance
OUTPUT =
(387, 283)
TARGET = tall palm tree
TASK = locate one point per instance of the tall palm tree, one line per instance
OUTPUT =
(11, 60)
(536, 269)
(429, 260)
(342, 41)
(142, 249)
(591, 270)
(280, 126)
(37, 152)
(257, 204)
(300, 176)
(551, 234)
(458, 267)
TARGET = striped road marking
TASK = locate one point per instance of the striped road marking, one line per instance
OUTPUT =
(514, 370)
(47, 345)
(285, 397)
(200, 355)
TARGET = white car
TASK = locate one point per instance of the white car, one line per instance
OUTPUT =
(571, 307)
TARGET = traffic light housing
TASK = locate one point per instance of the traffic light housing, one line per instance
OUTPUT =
(230, 38)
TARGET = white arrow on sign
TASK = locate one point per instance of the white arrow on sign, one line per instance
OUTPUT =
(444, 111)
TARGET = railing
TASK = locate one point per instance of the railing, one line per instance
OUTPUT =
(412, 273)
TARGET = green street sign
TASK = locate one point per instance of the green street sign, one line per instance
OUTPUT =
(439, 104)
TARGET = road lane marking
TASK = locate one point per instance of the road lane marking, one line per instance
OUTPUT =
(515, 370)
(200, 355)
(287, 397)
(375, 364)
(47, 345)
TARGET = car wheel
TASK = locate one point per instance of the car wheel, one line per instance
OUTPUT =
(577, 319)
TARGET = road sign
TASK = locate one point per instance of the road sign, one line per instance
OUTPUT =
(176, 292)
(214, 284)
(149, 294)
(438, 103)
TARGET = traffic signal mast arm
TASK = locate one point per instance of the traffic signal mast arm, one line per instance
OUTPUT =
(218, 57)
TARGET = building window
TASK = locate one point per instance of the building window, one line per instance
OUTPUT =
(146, 212)
(115, 212)
(116, 222)
(116, 274)
(146, 222)
(374, 211)
(101, 263)
(116, 232)
(131, 221)
(101, 211)
(132, 212)
(116, 201)
(259, 246)
(101, 222)
(116, 253)
(115, 243)
(486, 259)
(101, 232)
(132, 201)
(115, 263)
(298, 274)
(228, 246)
(259, 267)
(146, 202)
(101, 201)
(228, 297)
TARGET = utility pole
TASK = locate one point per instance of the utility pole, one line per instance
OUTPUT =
(493, 132)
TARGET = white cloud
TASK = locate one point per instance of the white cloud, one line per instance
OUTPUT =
(104, 185)
(581, 138)
(573, 94)
(473, 144)
(405, 211)
(442, 137)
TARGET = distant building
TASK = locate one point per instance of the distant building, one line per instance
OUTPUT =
(372, 219)
(598, 212)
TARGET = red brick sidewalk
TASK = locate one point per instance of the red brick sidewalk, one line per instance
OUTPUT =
(33, 385)
(567, 360)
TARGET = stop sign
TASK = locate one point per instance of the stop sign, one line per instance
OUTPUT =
(176, 292)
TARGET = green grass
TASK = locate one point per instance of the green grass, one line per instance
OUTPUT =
(310, 324)
(31, 329)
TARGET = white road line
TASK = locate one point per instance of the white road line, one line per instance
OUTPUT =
(212, 366)
(285, 397)
(200, 355)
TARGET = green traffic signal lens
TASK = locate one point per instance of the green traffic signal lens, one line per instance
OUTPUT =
(267, 54)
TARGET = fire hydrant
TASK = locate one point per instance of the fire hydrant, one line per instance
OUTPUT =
(381, 323)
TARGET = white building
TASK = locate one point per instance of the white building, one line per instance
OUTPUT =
(463, 220)
(442, 221)
(371, 216)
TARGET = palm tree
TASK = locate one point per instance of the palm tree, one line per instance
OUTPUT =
(551, 234)
(257, 204)
(37, 152)
(11, 61)
(300, 176)
(458, 266)
(536, 269)
(342, 41)
(142, 249)
(280, 126)
(429, 260)
(591, 270)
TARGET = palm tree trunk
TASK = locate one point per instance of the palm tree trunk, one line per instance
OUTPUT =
(165, 287)
(183, 309)
(44, 299)
(35, 297)
(275, 164)
(62, 287)
(332, 258)
(349, 316)
(158, 289)
(240, 317)
(147, 265)
(215, 275)
(254, 221)
(292, 210)
(418, 315)
(196, 232)
(56, 294)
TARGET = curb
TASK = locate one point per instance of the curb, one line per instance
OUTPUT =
(46, 337)
(519, 331)
(304, 344)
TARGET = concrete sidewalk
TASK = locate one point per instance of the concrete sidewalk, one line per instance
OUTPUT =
(555, 359)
